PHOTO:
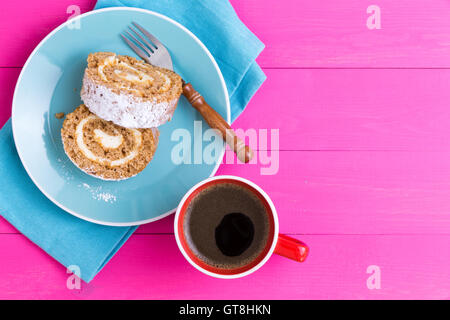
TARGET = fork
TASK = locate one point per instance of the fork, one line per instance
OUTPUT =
(152, 51)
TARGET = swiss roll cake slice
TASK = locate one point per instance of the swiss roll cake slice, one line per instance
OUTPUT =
(129, 92)
(105, 150)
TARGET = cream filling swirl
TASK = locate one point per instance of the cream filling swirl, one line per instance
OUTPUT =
(108, 142)
(133, 75)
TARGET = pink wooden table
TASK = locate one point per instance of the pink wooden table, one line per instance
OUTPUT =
(364, 171)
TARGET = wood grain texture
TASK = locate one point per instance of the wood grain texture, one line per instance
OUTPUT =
(353, 109)
(320, 34)
(351, 193)
(8, 79)
(297, 34)
(24, 26)
(401, 110)
(363, 173)
(151, 267)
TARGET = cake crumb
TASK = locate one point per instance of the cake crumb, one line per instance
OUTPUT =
(59, 115)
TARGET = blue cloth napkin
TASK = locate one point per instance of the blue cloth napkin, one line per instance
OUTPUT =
(73, 241)
(69, 240)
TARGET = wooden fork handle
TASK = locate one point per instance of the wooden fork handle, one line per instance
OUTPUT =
(215, 121)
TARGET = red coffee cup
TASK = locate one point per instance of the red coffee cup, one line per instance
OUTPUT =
(277, 243)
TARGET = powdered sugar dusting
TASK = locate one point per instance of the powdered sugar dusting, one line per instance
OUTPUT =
(107, 197)
(98, 194)
(124, 109)
(66, 171)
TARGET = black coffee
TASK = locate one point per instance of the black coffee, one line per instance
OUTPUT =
(226, 226)
(234, 234)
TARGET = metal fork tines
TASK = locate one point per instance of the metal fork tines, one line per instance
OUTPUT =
(147, 46)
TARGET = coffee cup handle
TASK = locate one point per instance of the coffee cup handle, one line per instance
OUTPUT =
(291, 248)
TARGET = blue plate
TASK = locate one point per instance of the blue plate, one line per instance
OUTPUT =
(50, 83)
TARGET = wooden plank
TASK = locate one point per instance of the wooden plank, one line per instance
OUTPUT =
(23, 28)
(6, 227)
(8, 79)
(353, 109)
(350, 192)
(411, 267)
(297, 33)
(339, 109)
(317, 34)
(353, 192)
